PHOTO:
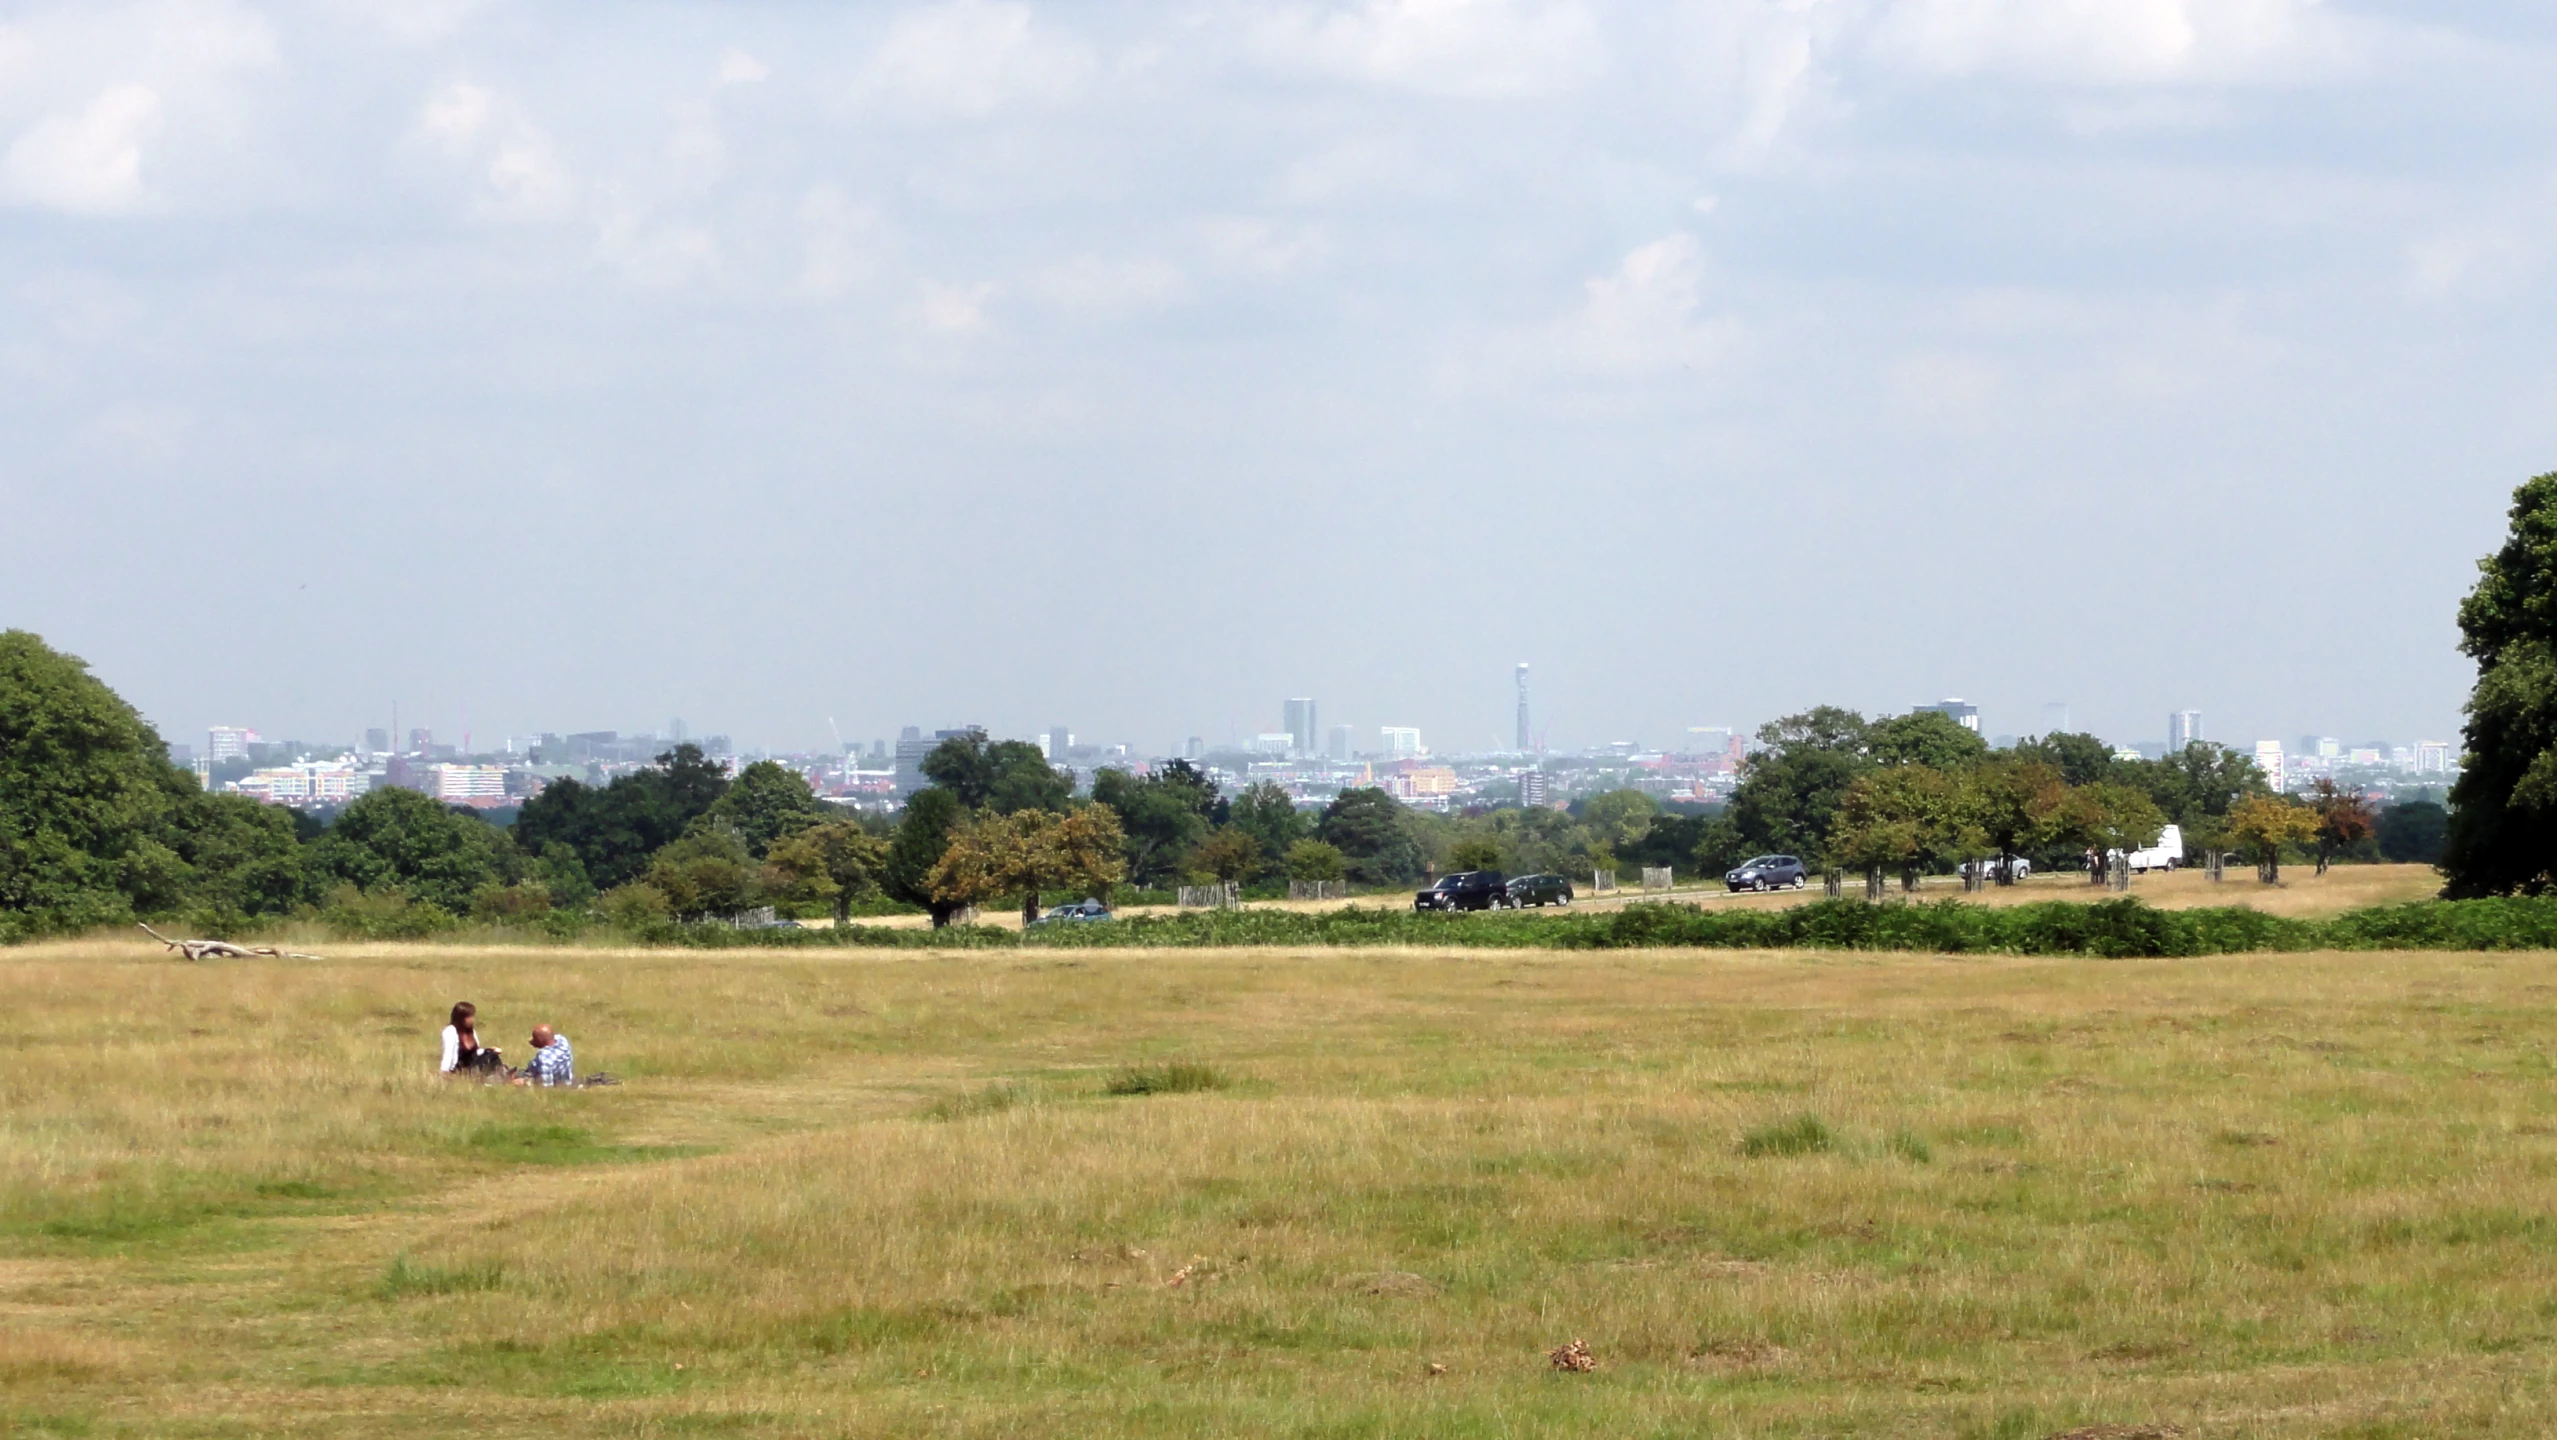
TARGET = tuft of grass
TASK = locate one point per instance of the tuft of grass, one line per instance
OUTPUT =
(404, 1279)
(1911, 1146)
(992, 1100)
(1804, 1134)
(1176, 1077)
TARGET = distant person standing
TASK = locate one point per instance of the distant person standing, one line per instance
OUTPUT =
(462, 1050)
(553, 1063)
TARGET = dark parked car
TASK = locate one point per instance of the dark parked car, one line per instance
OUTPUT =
(1769, 872)
(1080, 912)
(1465, 890)
(1539, 890)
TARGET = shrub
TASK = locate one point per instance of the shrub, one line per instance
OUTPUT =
(1176, 1077)
(634, 906)
(1911, 1146)
(382, 915)
(1801, 1135)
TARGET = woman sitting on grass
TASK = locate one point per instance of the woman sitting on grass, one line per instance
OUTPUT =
(462, 1050)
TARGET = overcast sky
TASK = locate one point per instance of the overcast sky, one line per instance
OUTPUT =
(1134, 367)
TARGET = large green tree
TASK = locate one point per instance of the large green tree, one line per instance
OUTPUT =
(395, 839)
(2503, 808)
(768, 801)
(1367, 827)
(615, 828)
(2081, 759)
(1163, 814)
(915, 848)
(1000, 775)
(1789, 795)
(87, 798)
(243, 858)
(1267, 813)
(1925, 737)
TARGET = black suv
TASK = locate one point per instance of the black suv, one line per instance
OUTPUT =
(1768, 872)
(1464, 890)
(1539, 890)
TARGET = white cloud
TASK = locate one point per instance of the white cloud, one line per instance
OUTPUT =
(2117, 42)
(739, 68)
(1091, 284)
(1940, 390)
(1439, 47)
(955, 309)
(88, 163)
(842, 244)
(1249, 245)
(519, 173)
(2484, 260)
(970, 58)
(1643, 316)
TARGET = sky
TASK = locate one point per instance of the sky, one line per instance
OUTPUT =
(811, 369)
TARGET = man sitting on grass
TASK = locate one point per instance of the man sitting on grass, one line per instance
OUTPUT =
(552, 1063)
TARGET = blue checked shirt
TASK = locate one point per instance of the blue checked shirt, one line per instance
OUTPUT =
(553, 1064)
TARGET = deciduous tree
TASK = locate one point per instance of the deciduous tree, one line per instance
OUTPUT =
(1030, 851)
(2260, 825)
(1163, 815)
(915, 849)
(1228, 853)
(2344, 819)
(1001, 775)
(837, 862)
(2503, 808)
(1367, 827)
(765, 803)
(394, 839)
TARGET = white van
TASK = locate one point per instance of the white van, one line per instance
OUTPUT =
(2166, 854)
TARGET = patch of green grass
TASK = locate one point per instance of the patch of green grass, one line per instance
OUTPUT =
(1804, 1134)
(1176, 1077)
(992, 1100)
(1911, 1146)
(405, 1278)
(540, 1144)
(39, 1426)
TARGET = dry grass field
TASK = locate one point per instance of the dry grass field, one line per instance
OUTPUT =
(1354, 1194)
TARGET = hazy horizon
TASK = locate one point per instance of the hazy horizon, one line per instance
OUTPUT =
(1138, 367)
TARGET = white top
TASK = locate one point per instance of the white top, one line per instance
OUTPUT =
(452, 1049)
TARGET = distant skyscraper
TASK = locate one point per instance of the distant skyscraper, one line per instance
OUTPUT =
(1526, 738)
(2268, 758)
(1400, 740)
(1343, 742)
(228, 742)
(420, 741)
(676, 731)
(2055, 717)
(1194, 747)
(1300, 725)
(377, 742)
(1058, 740)
(2183, 727)
(1533, 789)
(1960, 712)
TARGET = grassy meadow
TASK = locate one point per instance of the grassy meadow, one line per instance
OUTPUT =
(1334, 1193)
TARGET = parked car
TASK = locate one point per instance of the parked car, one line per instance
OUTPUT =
(1540, 890)
(2004, 867)
(1769, 872)
(1465, 890)
(1081, 912)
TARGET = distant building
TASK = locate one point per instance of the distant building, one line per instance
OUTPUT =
(2364, 755)
(912, 747)
(459, 784)
(1060, 741)
(1960, 712)
(2268, 758)
(325, 782)
(2183, 727)
(1400, 740)
(1342, 742)
(1194, 748)
(1298, 720)
(1709, 739)
(1274, 742)
(1535, 789)
(2322, 747)
(420, 741)
(377, 742)
(2432, 757)
(1421, 782)
(228, 742)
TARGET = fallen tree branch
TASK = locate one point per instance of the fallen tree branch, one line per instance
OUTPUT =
(224, 949)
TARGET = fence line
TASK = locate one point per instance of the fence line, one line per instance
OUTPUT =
(1318, 890)
(1657, 877)
(1227, 896)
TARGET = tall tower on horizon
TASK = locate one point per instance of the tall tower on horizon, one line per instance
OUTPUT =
(1525, 743)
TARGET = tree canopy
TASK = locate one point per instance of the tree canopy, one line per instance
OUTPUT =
(394, 839)
(1000, 775)
(1367, 827)
(614, 830)
(766, 802)
(2503, 808)
(1163, 816)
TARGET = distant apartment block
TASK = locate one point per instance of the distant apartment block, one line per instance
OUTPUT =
(461, 784)
(1342, 743)
(2268, 758)
(2183, 727)
(325, 782)
(1535, 789)
(1298, 719)
(1400, 740)
(228, 742)
(377, 742)
(1960, 712)
(1274, 742)
(1421, 782)
(2432, 757)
